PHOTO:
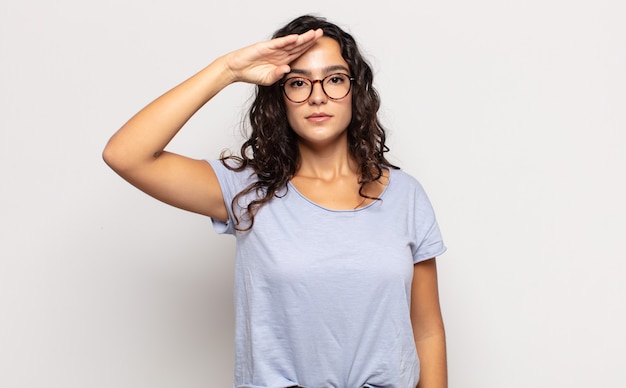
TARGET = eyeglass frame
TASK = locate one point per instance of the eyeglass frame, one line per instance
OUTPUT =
(313, 82)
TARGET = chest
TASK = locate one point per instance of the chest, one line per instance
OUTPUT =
(295, 240)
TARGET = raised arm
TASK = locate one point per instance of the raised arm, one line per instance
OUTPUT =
(137, 150)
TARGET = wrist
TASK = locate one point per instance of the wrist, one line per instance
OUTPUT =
(227, 73)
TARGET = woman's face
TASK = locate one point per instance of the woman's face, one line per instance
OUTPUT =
(319, 120)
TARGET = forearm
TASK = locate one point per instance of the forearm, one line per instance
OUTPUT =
(431, 350)
(147, 133)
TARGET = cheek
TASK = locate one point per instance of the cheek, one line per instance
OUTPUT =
(291, 115)
(348, 112)
(348, 116)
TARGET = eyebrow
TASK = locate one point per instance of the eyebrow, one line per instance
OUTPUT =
(325, 70)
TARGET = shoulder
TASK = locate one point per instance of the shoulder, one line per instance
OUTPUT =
(230, 176)
(406, 190)
(230, 167)
(400, 179)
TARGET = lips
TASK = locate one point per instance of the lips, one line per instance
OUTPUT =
(318, 117)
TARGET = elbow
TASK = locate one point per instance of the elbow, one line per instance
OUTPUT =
(109, 155)
(125, 161)
(113, 156)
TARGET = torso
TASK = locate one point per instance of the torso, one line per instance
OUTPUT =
(322, 296)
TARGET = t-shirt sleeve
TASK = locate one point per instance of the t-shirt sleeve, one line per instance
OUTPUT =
(231, 183)
(429, 242)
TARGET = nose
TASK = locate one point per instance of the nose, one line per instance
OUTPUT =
(318, 96)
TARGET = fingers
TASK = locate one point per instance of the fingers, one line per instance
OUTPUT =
(279, 72)
(299, 42)
(296, 45)
(309, 37)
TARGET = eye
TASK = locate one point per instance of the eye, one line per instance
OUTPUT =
(297, 83)
(337, 79)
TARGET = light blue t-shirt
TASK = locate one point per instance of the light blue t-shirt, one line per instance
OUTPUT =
(322, 297)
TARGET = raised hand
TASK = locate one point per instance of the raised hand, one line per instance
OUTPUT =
(266, 62)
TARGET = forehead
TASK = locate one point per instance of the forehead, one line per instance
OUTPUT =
(323, 56)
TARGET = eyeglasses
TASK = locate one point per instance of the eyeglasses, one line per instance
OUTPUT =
(299, 89)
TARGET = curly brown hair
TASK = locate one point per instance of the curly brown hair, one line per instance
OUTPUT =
(271, 149)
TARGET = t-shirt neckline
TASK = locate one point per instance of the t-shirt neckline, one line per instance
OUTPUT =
(291, 186)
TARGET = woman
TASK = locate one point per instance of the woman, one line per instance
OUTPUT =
(336, 282)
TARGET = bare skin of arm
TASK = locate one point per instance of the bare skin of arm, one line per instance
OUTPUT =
(428, 328)
(136, 151)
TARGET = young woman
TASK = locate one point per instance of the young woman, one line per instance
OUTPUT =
(336, 280)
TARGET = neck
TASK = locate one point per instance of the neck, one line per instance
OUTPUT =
(327, 162)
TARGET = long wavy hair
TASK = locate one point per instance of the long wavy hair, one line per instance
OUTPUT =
(271, 150)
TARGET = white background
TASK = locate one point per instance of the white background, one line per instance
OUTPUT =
(510, 113)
